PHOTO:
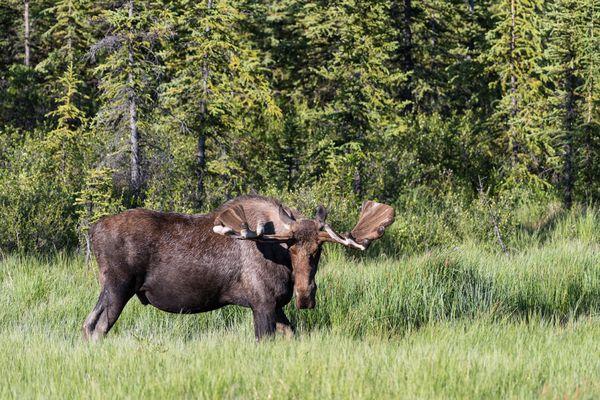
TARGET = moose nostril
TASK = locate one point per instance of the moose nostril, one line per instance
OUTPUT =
(305, 302)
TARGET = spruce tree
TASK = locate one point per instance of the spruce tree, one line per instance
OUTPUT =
(514, 58)
(218, 91)
(332, 70)
(68, 37)
(64, 68)
(589, 91)
(128, 70)
(570, 64)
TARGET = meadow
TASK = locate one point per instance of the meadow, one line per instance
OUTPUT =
(463, 320)
(476, 120)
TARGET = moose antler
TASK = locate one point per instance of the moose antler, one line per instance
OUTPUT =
(374, 218)
(232, 221)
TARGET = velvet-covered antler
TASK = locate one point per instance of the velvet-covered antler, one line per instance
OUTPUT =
(232, 221)
(374, 218)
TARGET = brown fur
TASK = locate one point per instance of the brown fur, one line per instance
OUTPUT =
(178, 264)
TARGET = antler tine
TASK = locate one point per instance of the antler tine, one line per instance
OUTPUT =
(222, 230)
(233, 222)
(374, 218)
(260, 228)
(346, 240)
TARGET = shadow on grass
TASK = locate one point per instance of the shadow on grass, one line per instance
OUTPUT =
(544, 228)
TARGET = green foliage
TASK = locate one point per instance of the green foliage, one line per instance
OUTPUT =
(96, 200)
(471, 118)
(571, 62)
(219, 94)
(37, 209)
(344, 85)
(181, 105)
(22, 101)
(514, 56)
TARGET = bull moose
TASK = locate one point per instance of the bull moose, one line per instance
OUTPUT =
(183, 263)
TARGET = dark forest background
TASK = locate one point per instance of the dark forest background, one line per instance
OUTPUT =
(461, 113)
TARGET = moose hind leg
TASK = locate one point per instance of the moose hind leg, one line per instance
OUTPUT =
(283, 325)
(92, 319)
(110, 304)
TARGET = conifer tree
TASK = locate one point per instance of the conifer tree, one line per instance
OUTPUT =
(589, 90)
(438, 43)
(70, 36)
(218, 89)
(514, 57)
(128, 71)
(334, 76)
(570, 63)
(23, 102)
(64, 67)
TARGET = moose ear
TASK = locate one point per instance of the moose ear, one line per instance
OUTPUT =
(321, 214)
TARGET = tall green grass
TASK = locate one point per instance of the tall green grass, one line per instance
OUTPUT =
(463, 320)
(446, 360)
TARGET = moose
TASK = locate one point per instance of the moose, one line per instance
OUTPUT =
(182, 263)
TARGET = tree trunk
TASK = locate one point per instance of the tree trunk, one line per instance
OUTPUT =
(357, 182)
(201, 146)
(513, 88)
(588, 130)
(136, 172)
(403, 15)
(200, 164)
(70, 56)
(568, 173)
(26, 34)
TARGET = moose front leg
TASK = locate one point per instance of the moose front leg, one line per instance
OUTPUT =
(264, 321)
(283, 325)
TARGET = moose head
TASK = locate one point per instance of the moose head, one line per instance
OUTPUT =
(272, 222)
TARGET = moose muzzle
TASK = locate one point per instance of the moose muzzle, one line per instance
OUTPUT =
(305, 297)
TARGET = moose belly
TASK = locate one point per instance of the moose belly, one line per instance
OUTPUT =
(179, 304)
(190, 295)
